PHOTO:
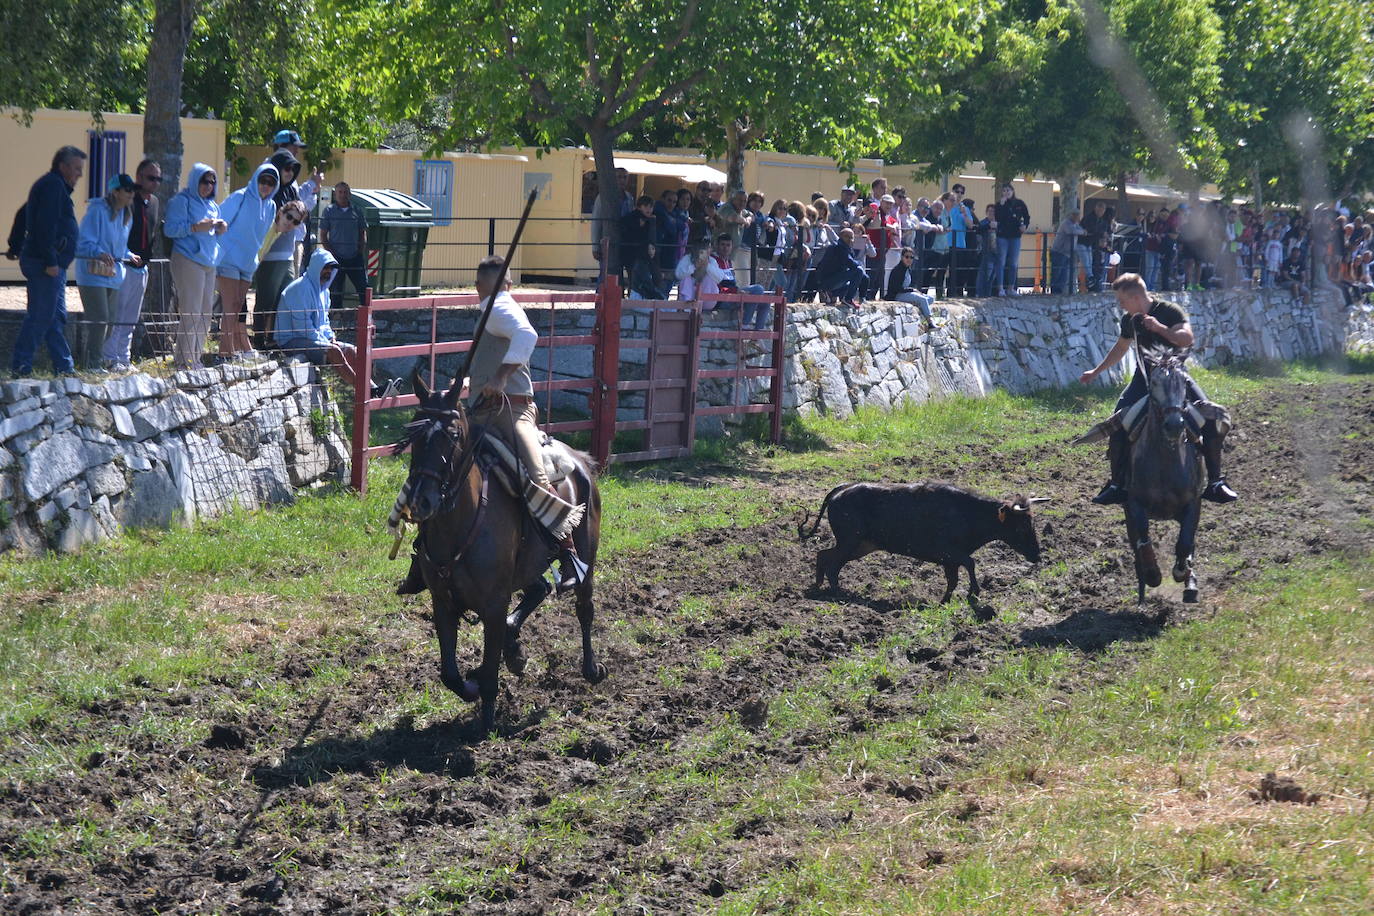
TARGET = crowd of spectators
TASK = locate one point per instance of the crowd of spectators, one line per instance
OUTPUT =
(849, 250)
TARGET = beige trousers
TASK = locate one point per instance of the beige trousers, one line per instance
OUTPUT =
(519, 426)
(195, 285)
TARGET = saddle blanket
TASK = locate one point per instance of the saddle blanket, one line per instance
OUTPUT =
(1128, 418)
(558, 516)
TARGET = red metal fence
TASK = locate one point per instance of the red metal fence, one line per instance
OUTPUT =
(669, 390)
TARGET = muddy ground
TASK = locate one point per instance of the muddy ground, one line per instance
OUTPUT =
(310, 809)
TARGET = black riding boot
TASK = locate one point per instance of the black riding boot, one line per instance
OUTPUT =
(572, 572)
(1118, 454)
(1217, 489)
(413, 583)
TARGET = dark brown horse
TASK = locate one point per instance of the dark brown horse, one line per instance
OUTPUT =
(1167, 477)
(478, 545)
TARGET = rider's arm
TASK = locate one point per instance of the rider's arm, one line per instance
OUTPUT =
(1111, 359)
(1180, 335)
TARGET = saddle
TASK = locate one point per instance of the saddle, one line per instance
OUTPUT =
(559, 515)
(1128, 419)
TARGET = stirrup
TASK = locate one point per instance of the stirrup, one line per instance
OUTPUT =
(1113, 494)
(572, 572)
(1219, 492)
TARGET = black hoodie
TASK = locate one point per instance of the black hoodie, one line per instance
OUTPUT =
(289, 169)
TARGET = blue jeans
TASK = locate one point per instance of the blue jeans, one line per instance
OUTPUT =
(1059, 273)
(1009, 256)
(1152, 269)
(987, 275)
(46, 320)
(756, 314)
(855, 278)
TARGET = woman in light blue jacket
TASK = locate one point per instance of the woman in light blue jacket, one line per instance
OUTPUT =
(194, 226)
(249, 212)
(102, 248)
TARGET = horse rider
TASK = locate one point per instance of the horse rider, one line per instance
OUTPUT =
(501, 397)
(1152, 323)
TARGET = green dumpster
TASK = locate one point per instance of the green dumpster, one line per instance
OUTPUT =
(397, 229)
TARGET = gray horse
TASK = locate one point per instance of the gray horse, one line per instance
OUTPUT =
(1167, 476)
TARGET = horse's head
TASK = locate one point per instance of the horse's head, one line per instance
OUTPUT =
(1169, 389)
(436, 438)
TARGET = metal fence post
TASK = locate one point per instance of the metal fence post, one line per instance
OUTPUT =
(775, 384)
(362, 371)
(491, 236)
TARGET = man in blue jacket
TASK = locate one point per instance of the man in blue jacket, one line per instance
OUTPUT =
(49, 246)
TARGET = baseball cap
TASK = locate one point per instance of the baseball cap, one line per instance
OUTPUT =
(120, 182)
(889, 199)
(288, 138)
(848, 187)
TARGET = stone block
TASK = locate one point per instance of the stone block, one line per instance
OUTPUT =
(129, 388)
(195, 378)
(151, 501)
(91, 413)
(81, 529)
(18, 423)
(271, 477)
(218, 479)
(6, 459)
(174, 412)
(105, 480)
(24, 388)
(122, 422)
(24, 406)
(47, 513)
(62, 458)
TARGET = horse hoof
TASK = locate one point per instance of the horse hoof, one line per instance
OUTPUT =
(1190, 596)
(1153, 577)
(515, 663)
(596, 674)
(1180, 574)
(471, 692)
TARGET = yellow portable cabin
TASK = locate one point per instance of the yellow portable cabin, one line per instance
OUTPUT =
(117, 146)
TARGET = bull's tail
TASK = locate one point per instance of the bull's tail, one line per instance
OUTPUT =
(802, 534)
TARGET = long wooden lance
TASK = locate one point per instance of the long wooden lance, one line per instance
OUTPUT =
(495, 290)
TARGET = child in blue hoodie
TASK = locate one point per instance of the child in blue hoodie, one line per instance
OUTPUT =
(250, 212)
(194, 226)
(302, 326)
(102, 247)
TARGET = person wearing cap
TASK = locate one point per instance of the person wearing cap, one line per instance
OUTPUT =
(194, 226)
(145, 241)
(250, 213)
(307, 192)
(47, 250)
(102, 249)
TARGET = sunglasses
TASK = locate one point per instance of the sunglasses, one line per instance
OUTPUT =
(153, 179)
(207, 180)
(295, 221)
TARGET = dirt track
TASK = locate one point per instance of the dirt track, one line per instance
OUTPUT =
(309, 810)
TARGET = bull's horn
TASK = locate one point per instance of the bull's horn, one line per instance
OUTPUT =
(1039, 499)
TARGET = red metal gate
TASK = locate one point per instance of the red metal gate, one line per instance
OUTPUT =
(670, 388)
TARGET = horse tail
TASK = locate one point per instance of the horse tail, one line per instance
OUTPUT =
(802, 534)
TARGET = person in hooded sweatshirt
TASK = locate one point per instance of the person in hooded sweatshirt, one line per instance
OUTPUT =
(302, 323)
(276, 265)
(102, 250)
(194, 226)
(250, 212)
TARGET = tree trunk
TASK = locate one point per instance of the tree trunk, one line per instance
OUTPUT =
(1259, 185)
(1068, 194)
(607, 211)
(172, 22)
(1123, 201)
(737, 140)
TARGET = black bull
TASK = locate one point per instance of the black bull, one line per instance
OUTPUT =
(934, 522)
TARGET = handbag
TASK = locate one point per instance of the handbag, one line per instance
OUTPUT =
(98, 268)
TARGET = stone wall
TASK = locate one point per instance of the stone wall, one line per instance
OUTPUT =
(1360, 329)
(838, 361)
(80, 461)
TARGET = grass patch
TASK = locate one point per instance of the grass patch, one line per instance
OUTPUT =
(1135, 797)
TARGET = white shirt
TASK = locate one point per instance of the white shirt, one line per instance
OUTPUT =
(309, 193)
(508, 320)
